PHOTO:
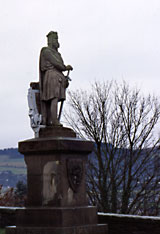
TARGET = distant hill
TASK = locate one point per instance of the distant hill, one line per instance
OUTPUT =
(12, 167)
(11, 152)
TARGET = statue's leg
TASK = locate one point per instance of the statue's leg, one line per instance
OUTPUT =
(53, 111)
(44, 112)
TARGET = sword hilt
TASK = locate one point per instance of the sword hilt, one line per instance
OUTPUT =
(67, 76)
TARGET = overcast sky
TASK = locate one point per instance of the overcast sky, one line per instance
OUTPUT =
(102, 39)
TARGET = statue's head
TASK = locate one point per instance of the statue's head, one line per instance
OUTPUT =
(53, 40)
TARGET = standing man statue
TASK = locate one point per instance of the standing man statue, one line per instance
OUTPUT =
(53, 83)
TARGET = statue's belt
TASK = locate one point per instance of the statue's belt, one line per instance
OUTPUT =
(51, 69)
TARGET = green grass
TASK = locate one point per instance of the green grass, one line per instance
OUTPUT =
(2, 231)
(7, 159)
(15, 165)
(14, 170)
(3, 158)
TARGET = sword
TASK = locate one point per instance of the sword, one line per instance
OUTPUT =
(61, 106)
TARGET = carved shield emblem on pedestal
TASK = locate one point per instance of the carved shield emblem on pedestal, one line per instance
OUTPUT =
(75, 173)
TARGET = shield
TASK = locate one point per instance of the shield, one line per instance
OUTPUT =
(75, 173)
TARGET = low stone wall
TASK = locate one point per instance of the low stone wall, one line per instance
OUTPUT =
(130, 224)
(117, 224)
(7, 216)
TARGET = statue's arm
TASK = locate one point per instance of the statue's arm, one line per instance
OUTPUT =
(54, 60)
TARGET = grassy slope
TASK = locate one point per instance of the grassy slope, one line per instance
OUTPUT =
(16, 165)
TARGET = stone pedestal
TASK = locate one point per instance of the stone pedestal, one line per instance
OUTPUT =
(57, 202)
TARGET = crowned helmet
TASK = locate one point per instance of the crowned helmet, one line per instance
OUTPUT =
(51, 36)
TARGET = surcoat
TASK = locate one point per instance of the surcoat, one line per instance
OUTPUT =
(52, 81)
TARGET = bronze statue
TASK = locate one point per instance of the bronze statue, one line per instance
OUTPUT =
(53, 83)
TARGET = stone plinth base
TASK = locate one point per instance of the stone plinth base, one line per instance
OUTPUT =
(56, 171)
(88, 229)
(56, 176)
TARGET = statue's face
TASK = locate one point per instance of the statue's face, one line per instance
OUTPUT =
(55, 43)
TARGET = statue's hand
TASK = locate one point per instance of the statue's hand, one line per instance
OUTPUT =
(69, 68)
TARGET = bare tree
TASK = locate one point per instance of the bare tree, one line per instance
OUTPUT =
(123, 173)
